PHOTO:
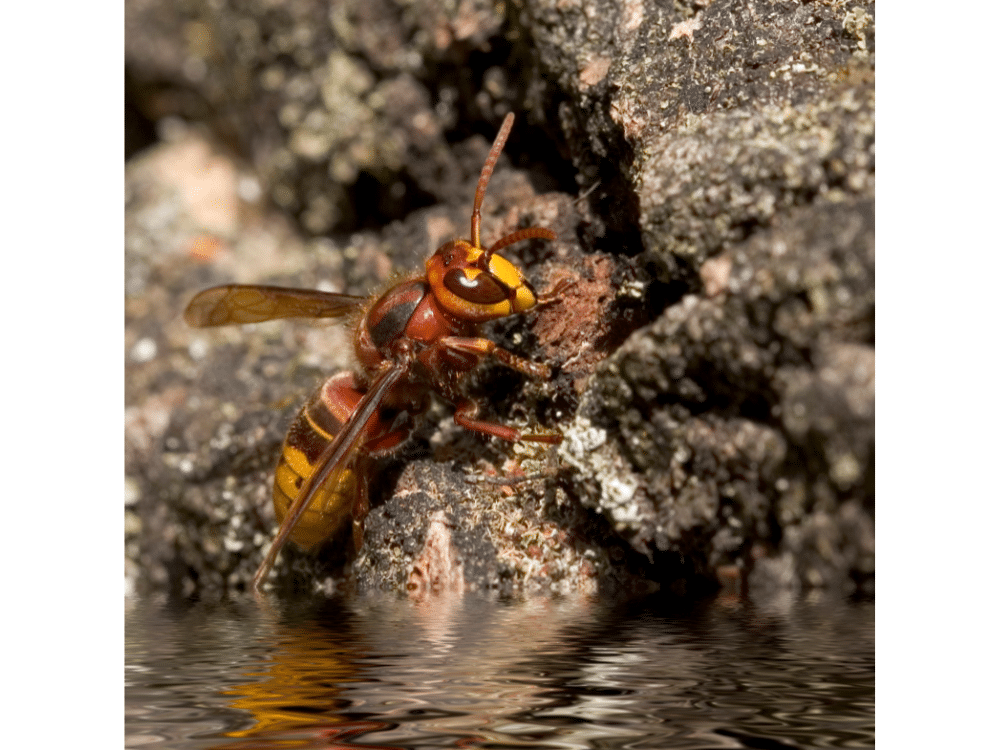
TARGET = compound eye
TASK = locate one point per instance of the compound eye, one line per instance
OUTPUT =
(482, 289)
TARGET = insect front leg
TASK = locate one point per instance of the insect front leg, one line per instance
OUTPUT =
(555, 292)
(480, 348)
(474, 350)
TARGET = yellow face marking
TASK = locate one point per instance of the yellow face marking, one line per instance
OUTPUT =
(506, 271)
(492, 312)
(464, 257)
(524, 300)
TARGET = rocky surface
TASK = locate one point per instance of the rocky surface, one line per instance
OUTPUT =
(709, 169)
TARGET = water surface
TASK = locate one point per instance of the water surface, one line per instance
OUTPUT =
(473, 672)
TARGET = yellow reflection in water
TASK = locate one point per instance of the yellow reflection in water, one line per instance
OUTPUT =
(299, 688)
(435, 651)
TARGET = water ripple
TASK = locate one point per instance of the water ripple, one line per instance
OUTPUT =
(569, 673)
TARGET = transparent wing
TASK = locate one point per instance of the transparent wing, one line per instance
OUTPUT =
(251, 303)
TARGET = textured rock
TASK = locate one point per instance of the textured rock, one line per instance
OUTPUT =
(714, 354)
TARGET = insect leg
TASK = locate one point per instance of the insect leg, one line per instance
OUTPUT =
(556, 291)
(482, 348)
(465, 416)
(360, 510)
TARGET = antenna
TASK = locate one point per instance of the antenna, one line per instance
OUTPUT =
(484, 176)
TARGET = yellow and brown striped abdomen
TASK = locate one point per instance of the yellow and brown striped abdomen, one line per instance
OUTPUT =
(316, 424)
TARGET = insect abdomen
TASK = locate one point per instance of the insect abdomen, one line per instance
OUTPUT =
(311, 431)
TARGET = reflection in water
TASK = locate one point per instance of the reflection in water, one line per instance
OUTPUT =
(301, 683)
(471, 672)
